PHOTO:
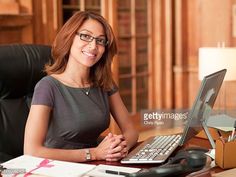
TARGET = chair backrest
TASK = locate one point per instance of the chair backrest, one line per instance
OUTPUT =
(21, 67)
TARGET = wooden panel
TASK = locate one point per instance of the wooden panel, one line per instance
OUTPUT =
(18, 21)
(16, 29)
(216, 26)
(215, 19)
(46, 21)
(9, 8)
(168, 55)
(157, 55)
(163, 54)
(193, 38)
(15, 36)
(199, 23)
(208, 23)
(38, 29)
(233, 24)
(186, 51)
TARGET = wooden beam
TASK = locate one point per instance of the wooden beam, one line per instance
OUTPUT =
(181, 68)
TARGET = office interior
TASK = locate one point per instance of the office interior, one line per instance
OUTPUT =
(158, 40)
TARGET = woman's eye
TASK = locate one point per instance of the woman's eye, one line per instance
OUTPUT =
(87, 36)
(101, 40)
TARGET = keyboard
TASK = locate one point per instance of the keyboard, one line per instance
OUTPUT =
(155, 149)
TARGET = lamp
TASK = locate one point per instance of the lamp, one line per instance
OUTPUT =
(215, 59)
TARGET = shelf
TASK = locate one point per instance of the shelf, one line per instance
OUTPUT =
(128, 92)
(77, 7)
(123, 9)
(140, 9)
(126, 76)
(129, 36)
(127, 9)
(71, 7)
(20, 20)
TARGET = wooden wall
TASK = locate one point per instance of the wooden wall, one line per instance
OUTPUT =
(208, 22)
(36, 22)
(180, 27)
(46, 20)
(17, 27)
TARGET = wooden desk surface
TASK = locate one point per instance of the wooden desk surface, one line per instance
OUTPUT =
(194, 142)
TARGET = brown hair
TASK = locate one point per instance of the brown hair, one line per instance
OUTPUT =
(100, 73)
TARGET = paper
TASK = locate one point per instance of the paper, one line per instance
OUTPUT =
(99, 171)
(227, 173)
(47, 167)
(221, 121)
(211, 153)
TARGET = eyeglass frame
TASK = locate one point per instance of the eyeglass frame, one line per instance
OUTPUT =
(92, 38)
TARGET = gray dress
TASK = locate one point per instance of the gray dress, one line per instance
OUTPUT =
(77, 119)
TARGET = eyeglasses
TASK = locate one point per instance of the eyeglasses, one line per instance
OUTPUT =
(89, 38)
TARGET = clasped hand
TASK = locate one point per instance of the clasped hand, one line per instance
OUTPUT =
(112, 148)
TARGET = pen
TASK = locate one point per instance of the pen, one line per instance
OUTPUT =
(114, 172)
(4, 170)
(233, 132)
(220, 136)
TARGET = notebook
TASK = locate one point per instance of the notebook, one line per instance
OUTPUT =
(158, 148)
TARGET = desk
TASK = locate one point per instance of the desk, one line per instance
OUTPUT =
(193, 142)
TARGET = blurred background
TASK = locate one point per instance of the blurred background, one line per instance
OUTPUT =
(158, 40)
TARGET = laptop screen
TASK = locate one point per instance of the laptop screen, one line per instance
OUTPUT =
(203, 104)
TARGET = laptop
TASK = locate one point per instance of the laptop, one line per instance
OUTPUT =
(157, 149)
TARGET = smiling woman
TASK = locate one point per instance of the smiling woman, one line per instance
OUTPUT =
(87, 51)
(71, 106)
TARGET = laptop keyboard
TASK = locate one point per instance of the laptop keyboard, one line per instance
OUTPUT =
(153, 150)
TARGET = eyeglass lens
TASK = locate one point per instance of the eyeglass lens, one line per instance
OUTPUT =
(88, 38)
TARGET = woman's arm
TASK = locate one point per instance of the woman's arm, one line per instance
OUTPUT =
(35, 133)
(121, 116)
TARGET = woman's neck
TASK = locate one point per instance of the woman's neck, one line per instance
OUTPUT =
(77, 73)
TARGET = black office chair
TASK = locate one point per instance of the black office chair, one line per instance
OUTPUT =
(21, 67)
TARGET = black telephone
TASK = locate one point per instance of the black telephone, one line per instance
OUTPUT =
(185, 162)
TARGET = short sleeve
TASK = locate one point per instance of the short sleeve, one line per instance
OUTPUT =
(113, 90)
(43, 93)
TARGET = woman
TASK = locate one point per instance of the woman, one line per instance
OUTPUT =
(72, 105)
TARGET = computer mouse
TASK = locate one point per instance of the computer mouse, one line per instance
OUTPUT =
(197, 148)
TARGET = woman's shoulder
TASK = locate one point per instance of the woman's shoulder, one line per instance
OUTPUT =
(48, 78)
(44, 92)
(113, 89)
(46, 81)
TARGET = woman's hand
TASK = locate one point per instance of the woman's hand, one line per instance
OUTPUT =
(118, 148)
(101, 151)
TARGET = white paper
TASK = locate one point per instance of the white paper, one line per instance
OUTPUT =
(99, 171)
(221, 122)
(53, 168)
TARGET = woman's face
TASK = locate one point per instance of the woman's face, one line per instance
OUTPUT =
(89, 44)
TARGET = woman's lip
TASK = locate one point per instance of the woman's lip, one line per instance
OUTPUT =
(89, 54)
